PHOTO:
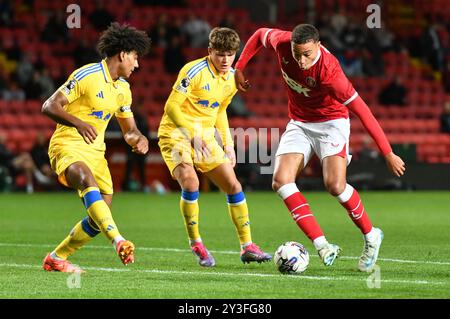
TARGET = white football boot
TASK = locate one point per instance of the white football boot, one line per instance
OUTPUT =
(370, 253)
(328, 253)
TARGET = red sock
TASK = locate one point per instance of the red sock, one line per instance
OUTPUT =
(302, 215)
(357, 213)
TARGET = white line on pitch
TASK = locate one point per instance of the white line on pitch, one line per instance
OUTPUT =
(226, 252)
(212, 273)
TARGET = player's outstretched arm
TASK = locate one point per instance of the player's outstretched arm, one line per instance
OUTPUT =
(53, 107)
(394, 162)
(132, 135)
(242, 83)
(251, 48)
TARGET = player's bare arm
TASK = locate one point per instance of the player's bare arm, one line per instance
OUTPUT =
(133, 136)
(395, 164)
(53, 107)
(251, 48)
(242, 83)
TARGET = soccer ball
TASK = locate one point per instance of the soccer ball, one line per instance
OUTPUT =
(291, 258)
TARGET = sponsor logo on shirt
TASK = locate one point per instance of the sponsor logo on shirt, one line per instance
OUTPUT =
(205, 103)
(295, 86)
(99, 115)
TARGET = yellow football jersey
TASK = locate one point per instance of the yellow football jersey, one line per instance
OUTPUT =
(94, 98)
(206, 93)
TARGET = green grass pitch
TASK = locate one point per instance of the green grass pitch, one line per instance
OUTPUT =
(414, 259)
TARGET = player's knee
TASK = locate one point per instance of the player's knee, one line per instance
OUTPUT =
(79, 178)
(233, 188)
(278, 182)
(189, 183)
(335, 188)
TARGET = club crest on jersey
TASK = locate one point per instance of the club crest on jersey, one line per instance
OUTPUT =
(227, 89)
(310, 81)
(120, 98)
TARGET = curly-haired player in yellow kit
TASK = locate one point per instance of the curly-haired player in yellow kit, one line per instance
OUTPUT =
(195, 108)
(82, 107)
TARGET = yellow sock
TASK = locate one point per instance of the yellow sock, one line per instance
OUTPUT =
(189, 210)
(100, 213)
(237, 207)
(81, 234)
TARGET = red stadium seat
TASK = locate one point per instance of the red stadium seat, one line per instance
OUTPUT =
(33, 106)
(16, 106)
(8, 121)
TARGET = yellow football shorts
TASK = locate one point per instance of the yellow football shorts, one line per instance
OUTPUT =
(63, 157)
(179, 150)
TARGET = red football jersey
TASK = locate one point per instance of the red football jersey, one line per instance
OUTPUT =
(318, 94)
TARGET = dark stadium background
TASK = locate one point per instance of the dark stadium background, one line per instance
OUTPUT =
(38, 51)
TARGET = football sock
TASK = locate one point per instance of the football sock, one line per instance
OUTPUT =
(117, 240)
(370, 236)
(237, 207)
(320, 242)
(190, 210)
(99, 212)
(352, 203)
(299, 208)
(82, 233)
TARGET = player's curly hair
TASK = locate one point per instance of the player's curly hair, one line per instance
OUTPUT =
(304, 33)
(118, 38)
(224, 39)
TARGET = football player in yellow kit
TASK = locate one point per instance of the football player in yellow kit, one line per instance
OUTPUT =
(195, 108)
(82, 108)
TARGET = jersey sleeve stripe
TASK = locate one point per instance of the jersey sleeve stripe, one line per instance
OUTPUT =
(351, 99)
(81, 72)
(196, 65)
(84, 68)
(194, 70)
(87, 72)
(265, 37)
(197, 71)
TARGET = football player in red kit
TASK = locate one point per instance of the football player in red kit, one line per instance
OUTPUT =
(320, 96)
